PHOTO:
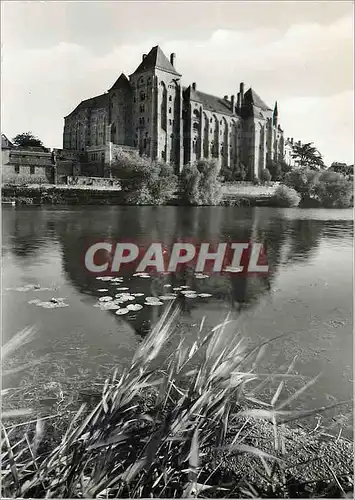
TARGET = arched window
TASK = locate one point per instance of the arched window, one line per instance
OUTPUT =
(149, 81)
(141, 81)
(142, 96)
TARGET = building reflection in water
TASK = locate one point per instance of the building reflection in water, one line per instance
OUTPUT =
(285, 239)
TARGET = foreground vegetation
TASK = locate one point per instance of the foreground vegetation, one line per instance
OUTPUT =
(194, 427)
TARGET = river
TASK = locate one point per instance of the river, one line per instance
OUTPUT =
(307, 294)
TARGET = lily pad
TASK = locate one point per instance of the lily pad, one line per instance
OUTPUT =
(167, 297)
(124, 310)
(105, 299)
(102, 290)
(205, 295)
(134, 307)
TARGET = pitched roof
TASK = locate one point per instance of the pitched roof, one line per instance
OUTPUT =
(121, 82)
(251, 97)
(212, 103)
(156, 59)
(99, 101)
(5, 142)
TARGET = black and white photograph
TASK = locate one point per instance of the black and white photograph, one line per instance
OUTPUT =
(177, 192)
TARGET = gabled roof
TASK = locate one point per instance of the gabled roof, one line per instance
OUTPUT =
(156, 59)
(121, 82)
(251, 97)
(213, 103)
(97, 102)
(209, 102)
(5, 142)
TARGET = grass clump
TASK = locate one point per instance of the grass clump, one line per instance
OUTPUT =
(169, 431)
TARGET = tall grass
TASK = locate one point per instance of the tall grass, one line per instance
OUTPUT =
(153, 428)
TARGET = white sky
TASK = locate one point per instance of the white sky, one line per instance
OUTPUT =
(55, 54)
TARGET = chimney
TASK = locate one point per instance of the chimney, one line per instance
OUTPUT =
(291, 140)
(233, 103)
(241, 90)
(225, 98)
(238, 102)
(172, 59)
(144, 56)
(194, 86)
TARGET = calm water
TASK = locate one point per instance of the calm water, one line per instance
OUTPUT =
(307, 294)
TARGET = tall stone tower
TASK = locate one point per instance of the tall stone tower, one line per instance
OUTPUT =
(157, 108)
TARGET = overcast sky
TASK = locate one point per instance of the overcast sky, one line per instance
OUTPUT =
(55, 54)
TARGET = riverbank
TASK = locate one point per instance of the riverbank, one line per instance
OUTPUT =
(175, 430)
(305, 463)
(233, 195)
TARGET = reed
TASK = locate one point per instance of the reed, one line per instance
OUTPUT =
(164, 432)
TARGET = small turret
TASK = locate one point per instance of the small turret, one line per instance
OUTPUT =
(275, 115)
(238, 103)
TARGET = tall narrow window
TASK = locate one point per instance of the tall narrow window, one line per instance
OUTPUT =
(17, 169)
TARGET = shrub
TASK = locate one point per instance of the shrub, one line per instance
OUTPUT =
(200, 184)
(265, 175)
(303, 181)
(286, 197)
(275, 170)
(334, 190)
(256, 181)
(145, 182)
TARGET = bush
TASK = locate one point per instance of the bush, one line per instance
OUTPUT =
(265, 175)
(200, 184)
(334, 190)
(256, 181)
(286, 197)
(275, 170)
(303, 181)
(145, 182)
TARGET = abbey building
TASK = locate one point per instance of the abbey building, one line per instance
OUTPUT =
(153, 113)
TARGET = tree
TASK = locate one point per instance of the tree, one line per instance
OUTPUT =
(27, 139)
(333, 190)
(303, 181)
(275, 170)
(200, 184)
(265, 175)
(307, 155)
(342, 168)
(145, 182)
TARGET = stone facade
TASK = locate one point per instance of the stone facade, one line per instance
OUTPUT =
(32, 165)
(288, 150)
(152, 112)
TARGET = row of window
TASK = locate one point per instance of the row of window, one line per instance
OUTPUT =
(17, 169)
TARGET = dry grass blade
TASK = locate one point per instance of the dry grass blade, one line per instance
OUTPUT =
(20, 412)
(18, 340)
(298, 393)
